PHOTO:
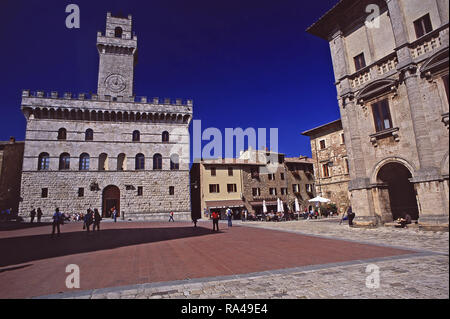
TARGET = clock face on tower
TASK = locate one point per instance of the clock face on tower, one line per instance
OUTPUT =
(115, 83)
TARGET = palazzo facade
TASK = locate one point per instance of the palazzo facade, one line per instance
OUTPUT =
(109, 149)
(392, 80)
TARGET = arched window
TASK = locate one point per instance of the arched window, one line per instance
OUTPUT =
(165, 137)
(157, 162)
(64, 161)
(174, 162)
(103, 162)
(62, 134)
(44, 162)
(118, 32)
(136, 136)
(84, 162)
(89, 135)
(121, 162)
(140, 162)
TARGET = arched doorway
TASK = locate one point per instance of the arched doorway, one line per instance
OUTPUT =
(402, 195)
(111, 198)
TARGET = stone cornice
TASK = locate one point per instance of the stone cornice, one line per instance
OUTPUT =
(83, 104)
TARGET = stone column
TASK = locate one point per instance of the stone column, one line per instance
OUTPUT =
(443, 10)
(427, 179)
(382, 204)
(420, 128)
(398, 24)
(358, 186)
(361, 197)
(338, 55)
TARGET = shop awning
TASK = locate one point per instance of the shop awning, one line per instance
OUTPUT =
(260, 203)
(225, 203)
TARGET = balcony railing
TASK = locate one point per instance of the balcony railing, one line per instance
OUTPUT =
(428, 43)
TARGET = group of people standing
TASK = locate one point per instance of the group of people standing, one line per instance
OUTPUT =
(91, 218)
(35, 213)
(6, 214)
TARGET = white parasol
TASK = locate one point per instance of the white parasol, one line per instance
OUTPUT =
(319, 199)
(264, 207)
(297, 206)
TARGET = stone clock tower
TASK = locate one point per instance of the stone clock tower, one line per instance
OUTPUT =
(118, 56)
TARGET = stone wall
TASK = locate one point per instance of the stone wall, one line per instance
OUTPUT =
(63, 192)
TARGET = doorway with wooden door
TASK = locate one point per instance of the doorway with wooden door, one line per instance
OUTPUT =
(111, 199)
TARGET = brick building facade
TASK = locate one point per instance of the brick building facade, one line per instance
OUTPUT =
(11, 158)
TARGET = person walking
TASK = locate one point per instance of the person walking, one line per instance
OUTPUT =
(83, 218)
(39, 215)
(171, 217)
(229, 218)
(32, 215)
(88, 220)
(114, 214)
(351, 215)
(215, 218)
(97, 220)
(56, 222)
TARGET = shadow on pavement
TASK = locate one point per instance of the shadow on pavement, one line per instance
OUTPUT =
(18, 250)
(8, 226)
(15, 268)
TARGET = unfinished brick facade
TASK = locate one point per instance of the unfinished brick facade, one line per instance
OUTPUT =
(11, 158)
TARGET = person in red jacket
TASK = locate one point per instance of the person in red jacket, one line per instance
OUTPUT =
(215, 218)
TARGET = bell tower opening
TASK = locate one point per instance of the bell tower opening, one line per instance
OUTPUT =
(117, 49)
(118, 32)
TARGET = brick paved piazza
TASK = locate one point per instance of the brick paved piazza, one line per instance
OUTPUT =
(301, 259)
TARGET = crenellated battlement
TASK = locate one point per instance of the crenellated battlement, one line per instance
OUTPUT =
(95, 97)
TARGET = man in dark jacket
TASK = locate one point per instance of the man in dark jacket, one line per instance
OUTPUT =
(351, 215)
(88, 219)
(97, 220)
(39, 215)
(32, 215)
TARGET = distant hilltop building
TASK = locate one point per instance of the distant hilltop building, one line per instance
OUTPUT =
(109, 149)
(392, 81)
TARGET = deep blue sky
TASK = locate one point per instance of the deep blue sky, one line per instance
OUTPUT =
(244, 63)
